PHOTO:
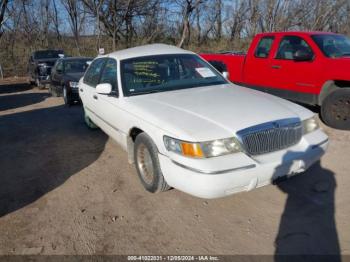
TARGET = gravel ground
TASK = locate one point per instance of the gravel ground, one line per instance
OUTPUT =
(67, 190)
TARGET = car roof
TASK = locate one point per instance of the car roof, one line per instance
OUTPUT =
(48, 50)
(146, 50)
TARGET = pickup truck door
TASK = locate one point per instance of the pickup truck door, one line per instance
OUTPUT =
(108, 106)
(291, 75)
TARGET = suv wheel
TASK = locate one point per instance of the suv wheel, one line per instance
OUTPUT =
(53, 91)
(147, 164)
(335, 109)
(66, 97)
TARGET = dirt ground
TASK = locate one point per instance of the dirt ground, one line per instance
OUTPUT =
(67, 190)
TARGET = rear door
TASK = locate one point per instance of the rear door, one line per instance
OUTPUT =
(258, 61)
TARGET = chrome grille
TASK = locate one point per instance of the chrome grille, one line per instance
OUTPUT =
(271, 136)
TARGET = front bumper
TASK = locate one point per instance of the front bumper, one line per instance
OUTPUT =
(229, 178)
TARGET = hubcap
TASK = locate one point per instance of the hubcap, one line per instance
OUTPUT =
(145, 164)
(341, 109)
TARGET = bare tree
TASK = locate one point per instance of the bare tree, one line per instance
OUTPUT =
(77, 14)
(3, 7)
(187, 6)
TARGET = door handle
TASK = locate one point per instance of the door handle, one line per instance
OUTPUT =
(276, 67)
(95, 97)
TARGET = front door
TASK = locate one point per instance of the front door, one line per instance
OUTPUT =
(289, 74)
(87, 90)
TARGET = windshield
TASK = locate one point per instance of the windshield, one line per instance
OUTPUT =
(47, 54)
(160, 73)
(333, 45)
(76, 66)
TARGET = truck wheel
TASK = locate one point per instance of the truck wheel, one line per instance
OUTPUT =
(38, 84)
(147, 164)
(66, 97)
(335, 109)
(53, 91)
(89, 122)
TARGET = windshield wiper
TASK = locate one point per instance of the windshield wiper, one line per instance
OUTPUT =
(147, 92)
(345, 54)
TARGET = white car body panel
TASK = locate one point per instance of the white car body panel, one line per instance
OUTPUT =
(203, 114)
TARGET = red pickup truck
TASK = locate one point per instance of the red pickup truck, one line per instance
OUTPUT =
(307, 67)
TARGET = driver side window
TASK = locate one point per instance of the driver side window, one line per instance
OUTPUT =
(291, 44)
(109, 74)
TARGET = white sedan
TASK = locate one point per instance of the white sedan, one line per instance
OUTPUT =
(185, 126)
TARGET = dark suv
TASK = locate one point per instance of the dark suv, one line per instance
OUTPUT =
(65, 76)
(40, 64)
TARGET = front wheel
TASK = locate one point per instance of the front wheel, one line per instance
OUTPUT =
(66, 97)
(89, 122)
(39, 84)
(147, 164)
(53, 91)
(335, 109)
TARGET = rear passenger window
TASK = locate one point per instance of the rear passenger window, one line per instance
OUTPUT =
(92, 75)
(264, 47)
(109, 74)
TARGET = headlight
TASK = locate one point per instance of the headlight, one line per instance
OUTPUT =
(74, 84)
(42, 64)
(204, 149)
(310, 125)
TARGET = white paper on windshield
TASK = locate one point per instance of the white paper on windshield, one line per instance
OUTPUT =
(205, 72)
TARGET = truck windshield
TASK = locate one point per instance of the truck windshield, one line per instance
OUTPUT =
(47, 54)
(76, 66)
(151, 74)
(333, 45)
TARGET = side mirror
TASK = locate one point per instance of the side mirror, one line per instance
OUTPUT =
(226, 75)
(302, 55)
(104, 89)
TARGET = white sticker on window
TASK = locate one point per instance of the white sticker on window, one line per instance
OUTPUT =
(205, 72)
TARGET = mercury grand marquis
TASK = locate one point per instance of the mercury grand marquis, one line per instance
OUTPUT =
(185, 126)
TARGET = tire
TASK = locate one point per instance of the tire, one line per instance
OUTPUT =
(66, 97)
(335, 109)
(147, 165)
(53, 91)
(88, 121)
(38, 84)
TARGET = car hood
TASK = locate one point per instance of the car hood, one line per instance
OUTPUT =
(75, 77)
(213, 112)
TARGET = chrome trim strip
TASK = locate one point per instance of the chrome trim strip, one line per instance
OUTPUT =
(214, 172)
(319, 144)
(112, 126)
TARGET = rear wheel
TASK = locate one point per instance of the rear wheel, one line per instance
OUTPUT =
(335, 109)
(147, 164)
